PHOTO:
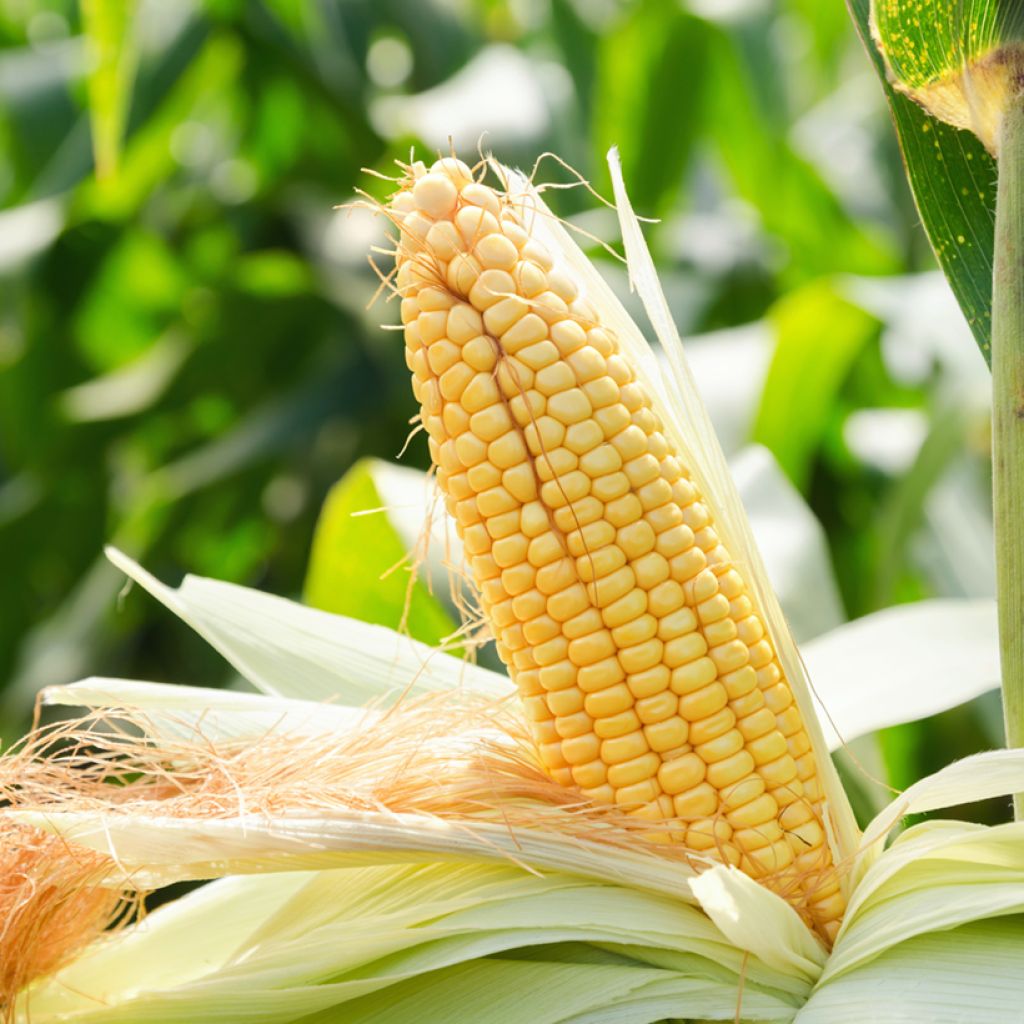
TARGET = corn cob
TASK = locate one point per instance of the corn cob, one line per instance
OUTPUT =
(644, 668)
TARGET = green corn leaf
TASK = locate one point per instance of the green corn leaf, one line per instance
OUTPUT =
(112, 58)
(952, 176)
(362, 551)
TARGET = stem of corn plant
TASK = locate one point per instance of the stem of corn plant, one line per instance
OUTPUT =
(1008, 421)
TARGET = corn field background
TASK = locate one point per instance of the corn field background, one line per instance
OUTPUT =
(187, 363)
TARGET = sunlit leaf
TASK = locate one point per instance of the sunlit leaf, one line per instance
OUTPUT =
(360, 565)
(112, 56)
(820, 333)
(953, 179)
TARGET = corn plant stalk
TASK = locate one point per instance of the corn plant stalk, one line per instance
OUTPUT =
(1008, 420)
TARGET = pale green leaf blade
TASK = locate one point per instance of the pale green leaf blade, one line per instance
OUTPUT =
(968, 974)
(360, 562)
(902, 664)
(288, 650)
(819, 335)
(198, 713)
(979, 777)
(936, 877)
(758, 921)
(161, 850)
(108, 31)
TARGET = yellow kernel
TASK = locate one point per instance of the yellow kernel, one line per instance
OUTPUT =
(524, 334)
(617, 725)
(600, 461)
(572, 726)
(698, 704)
(683, 650)
(584, 624)
(500, 316)
(591, 775)
(712, 726)
(509, 550)
(609, 589)
(483, 476)
(697, 802)
(435, 195)
(600, 676)
(667, 734)
(520, 482)
(568, 602)
(612, 700)
(624, 748)
(530, 279)
(649, 682)
(568, 336)
(641, 628)
(629, 773)
(713, 609)
(624, 510)
(540, 629)
(462, 275)
(638, 793)
(719, 633)
(651, 569)
(496, 250)
(730, 770)
(657, 708)
(551, 464)
(599, 563)
(636, 539)
(687, 565)
(676, 623)
(610, 486)
(754, 812)
(581, 749)
(757, 724)
(625, 608)
(570, 406)
(565, 702)
(641, 656)
(554, 378)
(589, 649)
(565, 489)
(538, 356)
(582, 437)
(718, 749)
(730, 656)
(454, 380)
(490, 424)
(493, 288)
(556, 576)
(518, 579)
(544, 549)
(494, 501)
(503, 525)
(681, 774)
(470, 449)
(768, 747)
(590, 538)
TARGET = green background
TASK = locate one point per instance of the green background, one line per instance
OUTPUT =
(187, 363)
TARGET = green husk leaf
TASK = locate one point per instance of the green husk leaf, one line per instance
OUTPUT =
(953, 179)
(289, 650)
(360, 563)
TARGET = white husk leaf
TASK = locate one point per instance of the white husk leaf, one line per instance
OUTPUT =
(902, 664)
(289, 650)
(276, 948)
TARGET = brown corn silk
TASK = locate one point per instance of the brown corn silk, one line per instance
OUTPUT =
(643, 665)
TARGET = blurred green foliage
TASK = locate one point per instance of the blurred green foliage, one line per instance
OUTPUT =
(187, 362)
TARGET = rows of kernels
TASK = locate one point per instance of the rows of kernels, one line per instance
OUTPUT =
(642, 663)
